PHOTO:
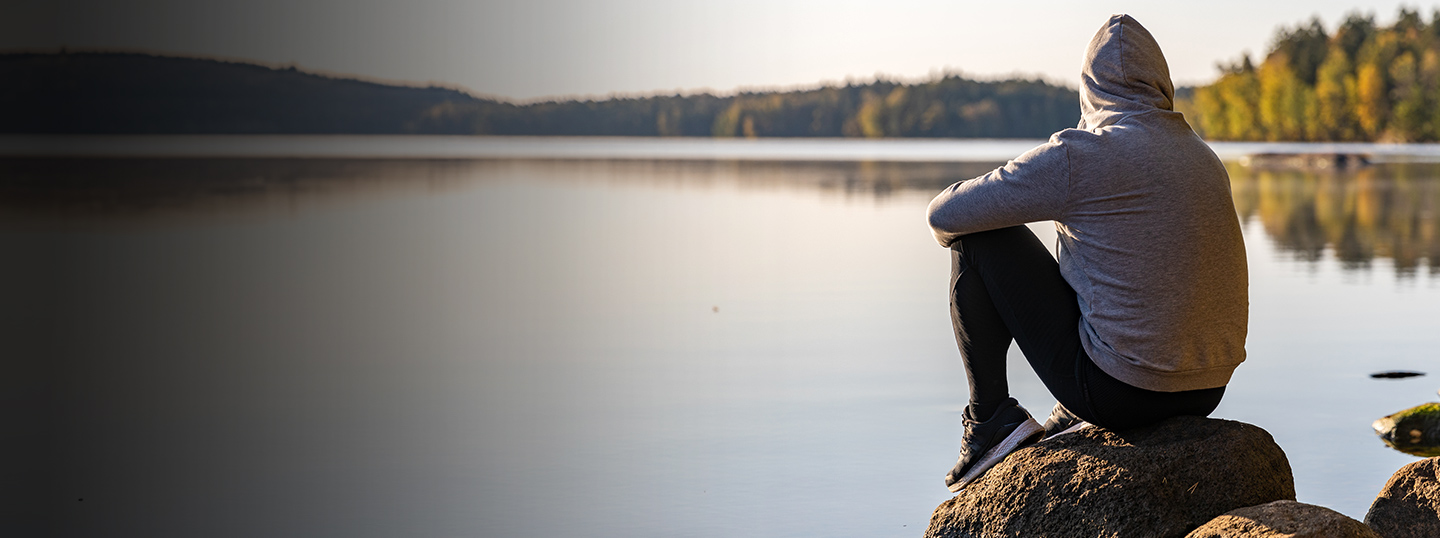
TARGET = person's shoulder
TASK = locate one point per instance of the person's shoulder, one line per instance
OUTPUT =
(1073, 136)
(1050, 157)
(1075, 142)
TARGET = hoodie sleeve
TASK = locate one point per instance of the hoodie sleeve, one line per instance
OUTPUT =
(1031, 188)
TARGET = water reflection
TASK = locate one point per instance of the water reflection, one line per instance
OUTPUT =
(1386, 211)
(211, 343)
(112, 190)
(126, 188)
(1383, 211)
(424, 347)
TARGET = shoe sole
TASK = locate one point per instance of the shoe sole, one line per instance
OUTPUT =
(1026, 433)
(1077, 427)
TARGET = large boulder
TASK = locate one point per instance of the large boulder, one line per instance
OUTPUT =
(1409, 505)
(1157, 481)
(1283, 519)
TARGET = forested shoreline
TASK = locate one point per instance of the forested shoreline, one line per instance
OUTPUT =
(1363, 82)
(950, 106)
(127, 93)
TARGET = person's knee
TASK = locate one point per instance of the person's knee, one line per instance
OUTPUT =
(1009, 235)
(1015, 243)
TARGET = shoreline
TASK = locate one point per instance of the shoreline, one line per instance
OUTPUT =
(971, 150)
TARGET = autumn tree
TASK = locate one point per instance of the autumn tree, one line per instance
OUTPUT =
(1363, 82)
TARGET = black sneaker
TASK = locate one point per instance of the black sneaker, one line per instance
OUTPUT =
(987, 443)
(1062, 421)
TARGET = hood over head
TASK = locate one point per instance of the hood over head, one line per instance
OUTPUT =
(1124, 73)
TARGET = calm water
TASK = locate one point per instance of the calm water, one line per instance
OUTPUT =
(602, 348)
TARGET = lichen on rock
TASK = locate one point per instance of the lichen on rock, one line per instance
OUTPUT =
(1414, 431)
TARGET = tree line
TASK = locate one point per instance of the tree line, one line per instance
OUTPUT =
(1362, 82)
(127, 93)
(949, 106)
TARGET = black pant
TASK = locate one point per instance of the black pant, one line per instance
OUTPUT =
(1004, 285)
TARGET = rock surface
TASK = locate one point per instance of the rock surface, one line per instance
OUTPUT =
(1409, 504)
(1413, 431)
(1161, 480)
(1283, 519)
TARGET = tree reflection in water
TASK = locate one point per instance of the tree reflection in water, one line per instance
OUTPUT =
(1383, 211)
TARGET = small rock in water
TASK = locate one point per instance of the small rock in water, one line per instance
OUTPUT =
(1306, 161)
(1396, 374)
(1414, 431)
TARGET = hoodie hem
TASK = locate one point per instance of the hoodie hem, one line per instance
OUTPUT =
(1208, 378)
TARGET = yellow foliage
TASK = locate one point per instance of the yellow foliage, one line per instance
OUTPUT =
(1363, 83)
(1373, 103)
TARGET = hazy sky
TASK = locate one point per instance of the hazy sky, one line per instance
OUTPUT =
(534, 48)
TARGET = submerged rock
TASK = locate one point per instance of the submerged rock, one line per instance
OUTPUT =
(1413, 431)
(1160, 480)
(1306, 161)
(1409, 504)
(1283, 519)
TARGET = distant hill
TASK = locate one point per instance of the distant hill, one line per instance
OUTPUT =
(144, 94)
(126, 93)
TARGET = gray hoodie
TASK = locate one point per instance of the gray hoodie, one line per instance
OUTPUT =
(1148, 234)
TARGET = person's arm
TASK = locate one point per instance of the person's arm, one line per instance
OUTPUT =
(1031, 188)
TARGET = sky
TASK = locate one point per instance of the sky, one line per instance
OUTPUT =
(537, 49)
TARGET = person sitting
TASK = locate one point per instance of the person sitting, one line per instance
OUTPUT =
(1144, 314)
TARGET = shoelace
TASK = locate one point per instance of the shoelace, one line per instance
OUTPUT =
(968, 443)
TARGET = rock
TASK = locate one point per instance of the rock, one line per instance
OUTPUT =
(1306, 161)
(1409, 504)
(1283, 519)
(1413, 431)
(1396, 374)
(1160, 480)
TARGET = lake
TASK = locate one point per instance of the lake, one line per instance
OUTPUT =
(379, 339)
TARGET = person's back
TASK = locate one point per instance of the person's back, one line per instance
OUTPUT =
(1145, 315)
(1150, 241)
